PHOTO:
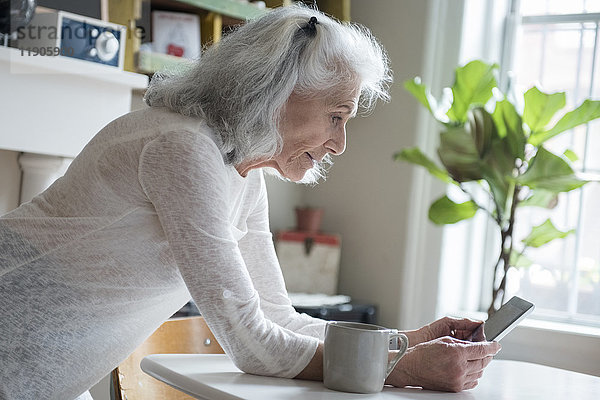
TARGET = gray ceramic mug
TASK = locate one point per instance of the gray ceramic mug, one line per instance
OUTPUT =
(355, 356)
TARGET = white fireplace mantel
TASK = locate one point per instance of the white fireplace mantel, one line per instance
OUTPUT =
(50, 107)
(55, 105)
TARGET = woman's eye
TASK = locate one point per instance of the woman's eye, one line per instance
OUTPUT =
(335, 119)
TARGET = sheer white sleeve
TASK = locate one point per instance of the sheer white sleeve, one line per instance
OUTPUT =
(184, 176)
(261, 260)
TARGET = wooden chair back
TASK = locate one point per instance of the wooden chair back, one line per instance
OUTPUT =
(189, 335)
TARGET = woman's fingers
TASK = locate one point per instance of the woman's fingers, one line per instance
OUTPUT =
(473, 366)
(474, 375)
(460, 328)
(472, 380)
(470, 385)
(471, 330)
(474, 350)
(464, 323)
(477, 350)
(478, 335)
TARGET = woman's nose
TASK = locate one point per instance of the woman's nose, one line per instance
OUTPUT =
(337, 144)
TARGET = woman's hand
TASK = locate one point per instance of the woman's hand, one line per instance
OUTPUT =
(463, 328)
(446, 364)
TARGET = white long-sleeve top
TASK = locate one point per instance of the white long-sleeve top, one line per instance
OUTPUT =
(147, 215)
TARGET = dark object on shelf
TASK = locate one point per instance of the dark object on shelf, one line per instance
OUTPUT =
(89, 8)
(351, 312)
(15, 14)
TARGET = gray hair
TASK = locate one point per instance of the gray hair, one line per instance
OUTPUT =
(241, 84)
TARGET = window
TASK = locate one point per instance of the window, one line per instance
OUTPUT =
(557, 47)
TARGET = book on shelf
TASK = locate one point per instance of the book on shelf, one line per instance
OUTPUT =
(176, 34)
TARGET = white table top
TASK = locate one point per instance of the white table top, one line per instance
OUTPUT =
(214, 377)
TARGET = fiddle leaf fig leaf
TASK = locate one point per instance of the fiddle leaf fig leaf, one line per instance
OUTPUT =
(550, 172)
(420, 92)
(459, 154)
(483, 129)
(415, 156)
(445, 211)
(540, 198)
(544, 233)
(570, 155)
(518, 260)
(541, 107)
(497, 169)
(510, 128)
(498, 186)
(588, 111)
(473, 86)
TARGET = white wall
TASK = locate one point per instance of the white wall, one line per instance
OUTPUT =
(283, 198)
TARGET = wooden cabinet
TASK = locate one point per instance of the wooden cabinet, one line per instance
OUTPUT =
(215, 16)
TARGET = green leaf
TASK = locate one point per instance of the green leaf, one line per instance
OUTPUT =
(498, 186)
(550, 172)
(473, 86)
(544, 233)
(541, 107)
(445, 211)
(510, 127)
(483, 129)
(459, 154)
(540, 198)
(498, 117)
(420, 92)
(586, 112)
(518, 260)
(414, 155)
(570, 155)
(497, 169)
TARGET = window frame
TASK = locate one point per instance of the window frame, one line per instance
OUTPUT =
(514, 23)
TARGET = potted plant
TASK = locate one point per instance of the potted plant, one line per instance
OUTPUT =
(486, 144)
(308, 219)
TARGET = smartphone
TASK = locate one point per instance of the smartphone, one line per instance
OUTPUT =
(506, 318)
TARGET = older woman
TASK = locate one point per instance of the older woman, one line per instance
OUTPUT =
(170, 202)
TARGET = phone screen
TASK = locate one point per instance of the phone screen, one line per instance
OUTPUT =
(506, 318)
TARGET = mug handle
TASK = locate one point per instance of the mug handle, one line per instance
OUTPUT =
(402, 347)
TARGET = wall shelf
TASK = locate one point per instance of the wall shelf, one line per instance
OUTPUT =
(230, 8)
(149, 63)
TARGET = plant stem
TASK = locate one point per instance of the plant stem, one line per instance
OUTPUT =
(499, 292)
(511, 225)
(479, 206)
(492, 308)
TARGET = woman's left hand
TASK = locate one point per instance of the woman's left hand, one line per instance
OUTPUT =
(459, 328)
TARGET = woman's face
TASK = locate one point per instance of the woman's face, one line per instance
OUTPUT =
(311, 129)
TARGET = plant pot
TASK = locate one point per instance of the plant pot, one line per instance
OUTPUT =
(308, 219)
